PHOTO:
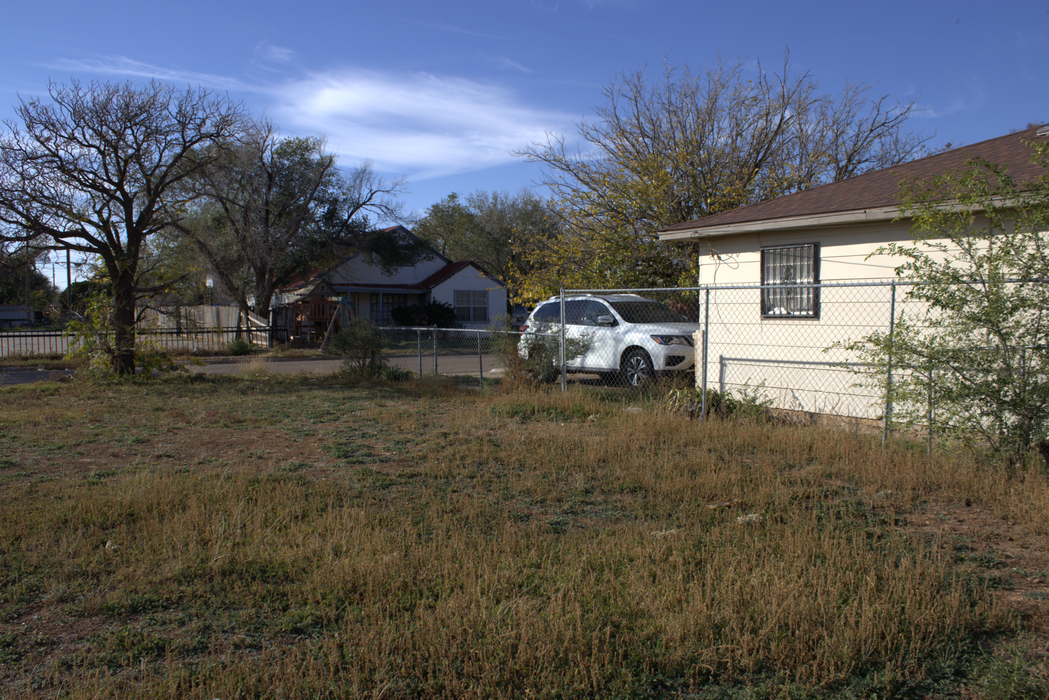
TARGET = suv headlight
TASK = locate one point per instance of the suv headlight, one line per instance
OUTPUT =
(673, 340)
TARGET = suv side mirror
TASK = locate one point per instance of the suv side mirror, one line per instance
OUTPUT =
(606, 321)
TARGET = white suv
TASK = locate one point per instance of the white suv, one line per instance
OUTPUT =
(628, 336)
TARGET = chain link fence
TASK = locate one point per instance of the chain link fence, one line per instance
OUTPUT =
(790, 347)
(855, 350)
(448, 351)
(792, 350)
(787, 347)
(615, 337)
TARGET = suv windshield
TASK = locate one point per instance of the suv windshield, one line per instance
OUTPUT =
(646, 312)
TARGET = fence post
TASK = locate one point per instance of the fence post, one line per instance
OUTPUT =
(706, 333)
(480, 362)
(888, 373)
(564, 369)
(419, 347)
(928, 412)
(433, 333)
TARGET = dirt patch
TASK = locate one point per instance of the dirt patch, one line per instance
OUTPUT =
(263, 447)
(1010, 557)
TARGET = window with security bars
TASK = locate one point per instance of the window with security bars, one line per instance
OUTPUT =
(785, 272)
(471, 306)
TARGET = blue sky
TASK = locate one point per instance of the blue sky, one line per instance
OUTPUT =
(441, 93)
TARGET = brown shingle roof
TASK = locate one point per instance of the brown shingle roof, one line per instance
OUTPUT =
(879, 189)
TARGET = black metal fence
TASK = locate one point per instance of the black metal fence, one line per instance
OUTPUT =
(49, 342)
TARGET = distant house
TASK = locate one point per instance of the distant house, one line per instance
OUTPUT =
(12, 315)
(356, 288)
(770, 332)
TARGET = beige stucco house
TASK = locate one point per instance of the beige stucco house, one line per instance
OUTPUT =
(764, 330)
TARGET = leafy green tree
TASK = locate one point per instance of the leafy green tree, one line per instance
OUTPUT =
(15, 267)
(99, 170)
(686, 145)
(450, 227)
(494, 229)
(978, 353)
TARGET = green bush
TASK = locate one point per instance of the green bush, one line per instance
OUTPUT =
(971, 363)
(749, 403)
(360, 345)
(92, 343)
(436, 314)
(239, 346)
(536, 357)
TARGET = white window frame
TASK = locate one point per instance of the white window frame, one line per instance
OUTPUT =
(471, 305)
(788, 274)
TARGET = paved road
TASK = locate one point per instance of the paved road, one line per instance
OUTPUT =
(10, 377)
(446, 365)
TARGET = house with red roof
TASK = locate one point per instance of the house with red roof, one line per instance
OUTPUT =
(765, 327)
(357, 288)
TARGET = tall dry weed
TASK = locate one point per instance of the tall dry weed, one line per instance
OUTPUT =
(514, 544)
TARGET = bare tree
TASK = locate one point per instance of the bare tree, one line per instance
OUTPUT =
(98, 170)
(270, 206)
(678, 148)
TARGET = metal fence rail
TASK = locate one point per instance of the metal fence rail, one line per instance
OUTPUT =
(618, 337)
(795, 360)
(806, 347)
(30, 343)
(56, 342)
(448, 351)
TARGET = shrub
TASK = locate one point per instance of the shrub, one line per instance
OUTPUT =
(749, 403)
(92, 343)
(239, 346)
(436, 314)
(536, 357)
(360, 345)
(976, 356)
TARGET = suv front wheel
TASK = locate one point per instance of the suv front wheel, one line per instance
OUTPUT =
(637, 368)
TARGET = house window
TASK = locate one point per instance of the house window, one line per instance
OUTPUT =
(785, 273)
(383, 314)
(471, 306)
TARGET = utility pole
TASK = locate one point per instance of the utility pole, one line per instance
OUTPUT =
(69, 284)
(28, 301)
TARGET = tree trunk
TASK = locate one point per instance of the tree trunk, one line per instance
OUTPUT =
(262, 304)
(124, 325)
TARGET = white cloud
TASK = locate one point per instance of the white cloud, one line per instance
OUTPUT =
(923, 112)
(421, 125)
(268, 62)
(503, 62)
(128, 68)
(418, 125)
(274, 54)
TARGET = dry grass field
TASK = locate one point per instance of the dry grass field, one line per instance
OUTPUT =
(265, 536)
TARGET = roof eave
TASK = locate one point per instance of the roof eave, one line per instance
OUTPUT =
(787, 224)
(856, 216)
